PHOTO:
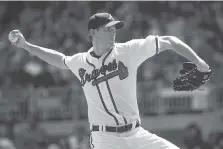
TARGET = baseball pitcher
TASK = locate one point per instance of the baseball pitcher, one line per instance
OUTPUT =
(108, 72)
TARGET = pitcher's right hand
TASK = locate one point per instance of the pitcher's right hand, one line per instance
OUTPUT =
(17, 39)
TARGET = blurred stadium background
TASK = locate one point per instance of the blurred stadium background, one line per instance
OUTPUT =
(42, 107)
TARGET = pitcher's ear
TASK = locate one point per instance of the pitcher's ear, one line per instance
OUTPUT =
(89, 37)
(91, 32)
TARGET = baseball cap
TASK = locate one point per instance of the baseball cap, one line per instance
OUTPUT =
(100, 19)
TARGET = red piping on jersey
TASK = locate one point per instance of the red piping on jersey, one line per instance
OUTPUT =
(99, 92)
(109, 90)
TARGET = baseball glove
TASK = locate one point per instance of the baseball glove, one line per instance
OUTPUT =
(190, 78)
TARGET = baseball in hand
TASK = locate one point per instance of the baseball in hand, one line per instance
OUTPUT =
(13, 38)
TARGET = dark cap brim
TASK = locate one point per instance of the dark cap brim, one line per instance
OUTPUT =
(118, 24)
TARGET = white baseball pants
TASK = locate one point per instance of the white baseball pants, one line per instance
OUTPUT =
(137, 138)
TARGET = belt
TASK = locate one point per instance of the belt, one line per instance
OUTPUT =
(118, 129)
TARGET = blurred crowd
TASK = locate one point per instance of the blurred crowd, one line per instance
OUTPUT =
(63, 26)
(37, 139)
(193, 138)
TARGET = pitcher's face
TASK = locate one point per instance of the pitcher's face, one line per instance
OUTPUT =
(105, 35)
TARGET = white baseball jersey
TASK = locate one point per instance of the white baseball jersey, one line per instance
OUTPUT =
(109, 82)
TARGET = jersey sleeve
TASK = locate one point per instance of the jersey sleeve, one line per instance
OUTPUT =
(74, 62)
(142, 49)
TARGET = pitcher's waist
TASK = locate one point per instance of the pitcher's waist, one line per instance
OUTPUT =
(117, 129)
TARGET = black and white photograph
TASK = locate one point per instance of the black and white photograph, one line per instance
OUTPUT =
(111, 75)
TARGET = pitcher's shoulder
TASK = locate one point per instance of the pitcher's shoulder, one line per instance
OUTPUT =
(79, 57)
(122, 45)
(131, 42)
(127, 44)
